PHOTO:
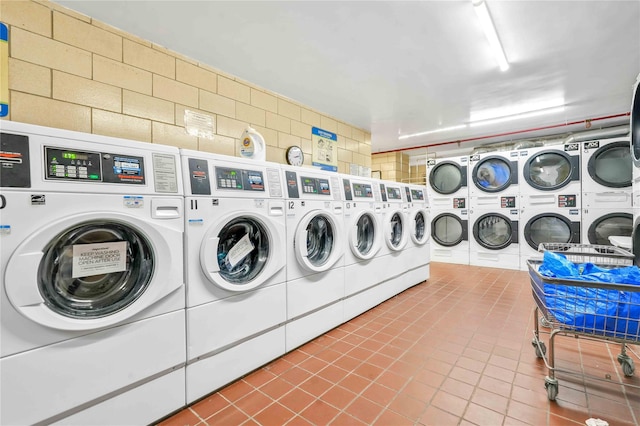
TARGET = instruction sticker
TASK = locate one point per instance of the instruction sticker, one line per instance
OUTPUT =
(239, 251)
(95, 259)
(164, 173)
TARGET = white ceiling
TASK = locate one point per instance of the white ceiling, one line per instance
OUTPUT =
(401, 67)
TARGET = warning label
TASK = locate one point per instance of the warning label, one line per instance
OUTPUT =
(95, 259)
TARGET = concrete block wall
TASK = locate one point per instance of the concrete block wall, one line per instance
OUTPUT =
(392, 166)
(67, 70)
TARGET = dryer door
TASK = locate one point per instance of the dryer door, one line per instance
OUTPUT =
(495, 174)
(550, 170)
(318, 241)
(420, 224)
(364, 235)
(88, 272)
(635, 123)
(611, 165)
(610, 224)
(447, 177)
(495, 231)
(395, 233)
(241, 251)
(449, 230)
(551, 228)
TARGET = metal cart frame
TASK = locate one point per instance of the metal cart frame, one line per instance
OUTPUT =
(606, 257)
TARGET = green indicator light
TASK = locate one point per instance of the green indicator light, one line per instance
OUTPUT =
(94, 177)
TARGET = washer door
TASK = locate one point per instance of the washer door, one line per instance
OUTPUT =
(551, 228)
(610, 224)
(494, 174)
(318, 241)
(635, 123)
(364, 235)
(495, 231)
(448, 177)
(550, 170)
(420, 225)
(241, 251)
(611, 165)
(395, 233)
(88, 272)
(449, 230)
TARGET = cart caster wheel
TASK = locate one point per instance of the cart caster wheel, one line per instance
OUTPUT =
(544, 322)
(626, 363)
(552, 388)
(540, 350)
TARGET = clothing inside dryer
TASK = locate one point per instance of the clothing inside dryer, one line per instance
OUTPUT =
(549, 170)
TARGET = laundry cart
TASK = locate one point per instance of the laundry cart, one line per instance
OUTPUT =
(596, 310)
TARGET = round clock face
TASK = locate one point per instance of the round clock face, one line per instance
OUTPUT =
(295, 156)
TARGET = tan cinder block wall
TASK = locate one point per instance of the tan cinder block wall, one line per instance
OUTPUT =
(69, 71)
(392, 165)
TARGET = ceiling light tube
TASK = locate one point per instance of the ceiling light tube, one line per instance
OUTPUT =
(518, 116)
(480, 6)
(444, 129)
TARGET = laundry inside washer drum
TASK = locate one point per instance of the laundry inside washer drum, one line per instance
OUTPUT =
(366, 233)
(396, 229)
(319, 240)
(253, 236)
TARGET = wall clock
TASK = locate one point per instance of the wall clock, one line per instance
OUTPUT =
(295, 156)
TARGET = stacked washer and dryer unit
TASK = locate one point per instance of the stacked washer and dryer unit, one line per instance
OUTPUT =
(635, 155)
(93, 295)
(550, 197)
(235, 241)
(449, 198)
(494, 196)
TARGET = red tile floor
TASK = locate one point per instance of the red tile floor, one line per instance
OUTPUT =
(455, 350)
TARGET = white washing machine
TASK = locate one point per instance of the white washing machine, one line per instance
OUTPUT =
(494, 173)
(635, 151)
(495, 230)
(447, 180)
(418, 251)
(450, 233)
(607, 168)
(235, 272)
(549, 170)
(314, 253)
(542, 224)
(92, 313)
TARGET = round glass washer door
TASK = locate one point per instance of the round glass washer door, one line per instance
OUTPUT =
(611, 165)
(493, 231)
(549, 228)
(395, 233)
(420, 224)
(241, 251)
(492, 174)
(86, 272)
(447, 230)
(610, 224)
(635, 124)
(318, 241)
(548, 170)
(447, 177)
(364, 235)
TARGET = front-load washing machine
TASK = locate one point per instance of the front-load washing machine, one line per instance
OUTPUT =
(92, 321)
(418, 251)
(494, 173)
(450, 233)
(314, 253)
(235, 271)
(598, 224)
(447, 180)
(541, 224)
(495, 229)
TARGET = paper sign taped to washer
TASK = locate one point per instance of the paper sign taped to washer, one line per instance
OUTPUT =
(96, 259)
(239, 251)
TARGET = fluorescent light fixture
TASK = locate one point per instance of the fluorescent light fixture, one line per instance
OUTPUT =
(443, 129)
(480, 6)
(518, 116)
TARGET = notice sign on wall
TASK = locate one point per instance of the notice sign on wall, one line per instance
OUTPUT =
(325, 149)
(4, 70)
(95, 259)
